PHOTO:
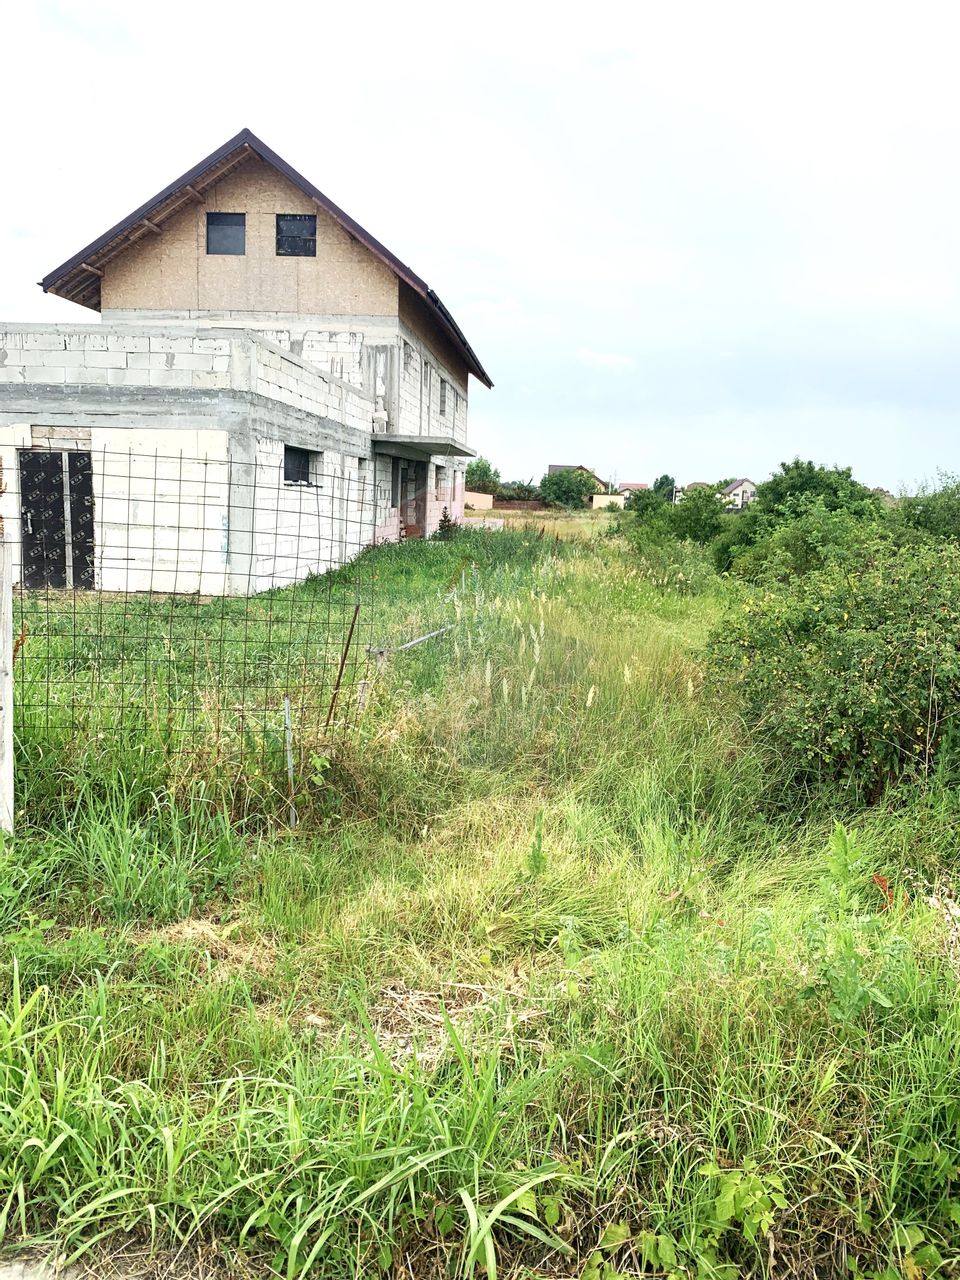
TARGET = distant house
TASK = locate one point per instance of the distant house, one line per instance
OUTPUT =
(629, 487)
(602, 485)
(739, 494)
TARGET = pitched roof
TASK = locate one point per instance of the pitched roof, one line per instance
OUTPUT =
(78, 279)
(630, 484)
(735, 484)
(554, 467)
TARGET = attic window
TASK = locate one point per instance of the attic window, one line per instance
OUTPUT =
(296, 235)
(226, 233)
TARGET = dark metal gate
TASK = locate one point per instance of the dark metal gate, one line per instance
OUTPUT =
(56, 508)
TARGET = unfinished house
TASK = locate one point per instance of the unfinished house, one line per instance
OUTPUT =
(268, 390)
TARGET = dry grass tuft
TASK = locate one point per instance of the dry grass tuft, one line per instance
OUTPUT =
(229, 956)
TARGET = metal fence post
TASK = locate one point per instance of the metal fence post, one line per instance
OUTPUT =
(6, 682)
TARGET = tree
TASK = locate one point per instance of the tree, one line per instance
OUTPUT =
(481, 477)
(665, 485)
(700, 516)
(446, 526)
(567, 488)
(643, 502)
(798, 483)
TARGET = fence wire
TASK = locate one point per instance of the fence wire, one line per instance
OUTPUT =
(174, 603)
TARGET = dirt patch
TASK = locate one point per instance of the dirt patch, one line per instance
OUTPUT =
(408, 1024)
(230, 955)
(132, 1258)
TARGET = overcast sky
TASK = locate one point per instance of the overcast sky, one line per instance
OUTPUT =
(688, 237)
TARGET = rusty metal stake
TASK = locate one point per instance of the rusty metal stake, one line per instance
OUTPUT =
(343, 663)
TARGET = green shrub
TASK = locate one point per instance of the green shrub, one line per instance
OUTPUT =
(481, 477)
(568, 488)
(643, 502)
(699, 516)
(852, 676)
(518, 491)
(934, 511)
(810, 537)
(835, 487)
(799, 491)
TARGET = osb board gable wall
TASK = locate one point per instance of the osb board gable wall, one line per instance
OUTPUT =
(172, 271)
(415, 315)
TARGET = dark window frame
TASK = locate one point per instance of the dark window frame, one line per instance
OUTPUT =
(296, 235)
(225, 222)
(299, 466)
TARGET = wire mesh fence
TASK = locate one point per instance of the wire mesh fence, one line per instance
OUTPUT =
(186, 606)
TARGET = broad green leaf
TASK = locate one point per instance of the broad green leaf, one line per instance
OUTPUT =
(614, 1235)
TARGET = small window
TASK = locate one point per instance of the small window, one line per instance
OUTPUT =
(443, 398)
(438, 479)
(296, 235)
(395, 482)
(296, 465)
(227, 233)
(427, 371)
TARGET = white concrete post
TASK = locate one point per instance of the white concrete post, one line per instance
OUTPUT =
(6, 682)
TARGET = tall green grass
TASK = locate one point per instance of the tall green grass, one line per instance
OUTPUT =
(548, 981)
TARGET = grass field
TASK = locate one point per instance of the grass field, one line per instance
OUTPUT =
(554, 523)
(552, 980)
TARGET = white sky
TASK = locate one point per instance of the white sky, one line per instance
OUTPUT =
(686, 237)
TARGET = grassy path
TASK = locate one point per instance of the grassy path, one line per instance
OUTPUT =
(549, 982)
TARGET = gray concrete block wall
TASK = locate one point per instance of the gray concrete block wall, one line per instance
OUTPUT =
(419, 410)
(186, 411)
(35, 355)
(332, 344)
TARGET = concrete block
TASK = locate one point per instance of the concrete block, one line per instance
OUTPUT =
(213, 346)
(171, 344)
(61, 359)
(170, 377)
(193, 360)
(127, 377)
(106, 359)
(43, 373)
(127, 342)
(202, 378)
(86, 341)
(12, 373)
(49, 340)
(92, 376)
(10, 339)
